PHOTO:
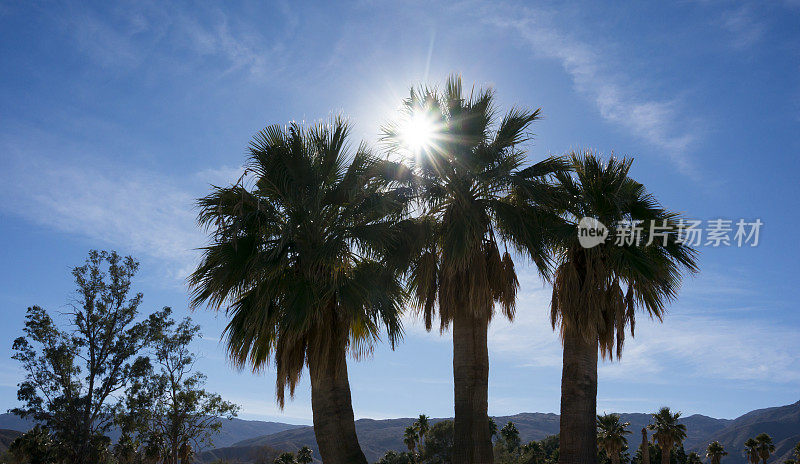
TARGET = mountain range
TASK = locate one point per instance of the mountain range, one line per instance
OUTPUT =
(248, 441)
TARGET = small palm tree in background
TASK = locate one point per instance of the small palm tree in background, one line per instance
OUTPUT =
(422, 426)
(765, 447)
(298, 262)
(492, 427)
(715, 452)
(596, 291)
(510, 436)
(796, 452)
(751, 451)
(667, 432)
(470, 182)
(611, 435)
(305, 455)
(410, 438)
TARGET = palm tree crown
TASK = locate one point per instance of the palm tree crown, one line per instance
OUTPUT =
(611, 435)
(299, 260)
(765, 446)
(751, 450)
(667, 432)
(295, 256)
(597, 290)
(715, 452)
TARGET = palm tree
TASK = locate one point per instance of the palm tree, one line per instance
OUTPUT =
(667, 432)
(715, 452)
(751, 451)
(422, 426)
(510, 436)
(645, 447)
(469, 181)
(492, 427)
(305, 455)
(796, 451)
(410, 439)
(765, 447)
(596, 291)
(611, 435)
(295, 260)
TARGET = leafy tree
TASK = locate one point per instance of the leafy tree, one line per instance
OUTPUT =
(35, 447)
(715, 452)
(439, 444)
(751, 451)
(796, 451)
(510, 437)
(596, 291)
(305, 455)
(470, 182)
(765, 446)
(667, 432)
(76, 370)
(611, 435)
(169, 405)
(297, 260)
(693, 458)
(285, 458)
(393, 457)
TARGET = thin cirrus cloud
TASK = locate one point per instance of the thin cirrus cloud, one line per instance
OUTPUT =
(143, 212)
(652, 120)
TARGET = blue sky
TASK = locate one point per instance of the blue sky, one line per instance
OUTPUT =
(116, 116)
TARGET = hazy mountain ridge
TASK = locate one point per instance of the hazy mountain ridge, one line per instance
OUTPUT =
(378, 436)
(232, 431)
(244, 441)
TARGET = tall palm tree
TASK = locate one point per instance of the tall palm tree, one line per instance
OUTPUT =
(596, 291)
(765, 446)
(667, 432)
(470, 179)
(295, 259)
(410, 439)
(644, 447)
(305, 455)
(715, 452)
(751, 451)
(611, 435)
(422, 426)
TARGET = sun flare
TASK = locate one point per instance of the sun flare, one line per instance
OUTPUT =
(418, 132)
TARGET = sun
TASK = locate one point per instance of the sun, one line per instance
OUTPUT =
(418, 132)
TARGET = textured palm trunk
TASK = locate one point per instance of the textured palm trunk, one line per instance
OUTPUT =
(665, 455)
(645, 447)
(615, 458)
(334, 423)
(578, 432)
(472, 443)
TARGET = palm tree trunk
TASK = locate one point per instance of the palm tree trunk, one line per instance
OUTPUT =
(645, 447)
(578, 431)
(334, 423)
(472, 443)
(615, 458)
(665, 455)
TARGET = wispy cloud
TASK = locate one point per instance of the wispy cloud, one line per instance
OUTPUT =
(744, 26)
(656, 121)
(145, 213)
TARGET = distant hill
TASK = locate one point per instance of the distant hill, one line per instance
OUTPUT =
(231, 432)
(238, 455)
(378, 436)
(782, 423)
(6, 437)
